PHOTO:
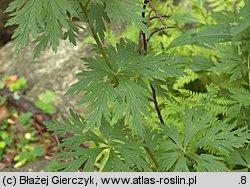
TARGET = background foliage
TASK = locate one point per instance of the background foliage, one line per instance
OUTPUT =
(174, 99)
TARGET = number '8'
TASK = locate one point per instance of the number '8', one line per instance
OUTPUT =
(243, 180)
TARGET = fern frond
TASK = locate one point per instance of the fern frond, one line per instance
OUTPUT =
(180, 82)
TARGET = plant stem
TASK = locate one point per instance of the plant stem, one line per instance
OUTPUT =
(142, 33)
(157, 14)
(99, 44)
(144, 41)
(157, 30)
(156, 104)
(152, 156)
(100, 47)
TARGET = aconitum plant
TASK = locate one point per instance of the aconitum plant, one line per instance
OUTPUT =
(143, 113)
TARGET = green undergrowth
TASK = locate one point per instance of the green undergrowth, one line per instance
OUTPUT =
(22, 140)
(171, 93)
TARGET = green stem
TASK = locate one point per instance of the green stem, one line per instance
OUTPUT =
(99, 44)
(152, 156)
(100, 47)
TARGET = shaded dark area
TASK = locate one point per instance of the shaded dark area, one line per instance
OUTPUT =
(5, 32)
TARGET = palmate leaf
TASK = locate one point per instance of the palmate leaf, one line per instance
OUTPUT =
(206, 38)
(172, 158)
(124, 152)
(185, 18)
(45, 20)
(147, 67)
(28, 17)
(72, 144)
(96, 85)
(177, 161)
(130, 99)
(195, 124)
(114, 163)
(240, 159)
(241, 94)
(199, 63)
(241, 27)
(125, 11)
(132, 102)
(126, 158)
(176, 152)
(224, 17)
(209, 163)
(231, 26)
(74, 125)
(171, 153)
(129, 148)
(234, 68)
(230, 63)
(202, 130)
(62, 128)
(224, 137)
(243, 20)
(77, 157)
(97, 16)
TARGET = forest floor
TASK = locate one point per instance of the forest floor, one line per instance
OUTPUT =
(23, 135)
(25, 144)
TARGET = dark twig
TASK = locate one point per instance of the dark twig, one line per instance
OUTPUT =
(145, 42)
(163, 16)
(141, 42)
(149, 14)
(157, 30)
(142, 35)
(157, 14)
(156, 104)
(144, 9)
